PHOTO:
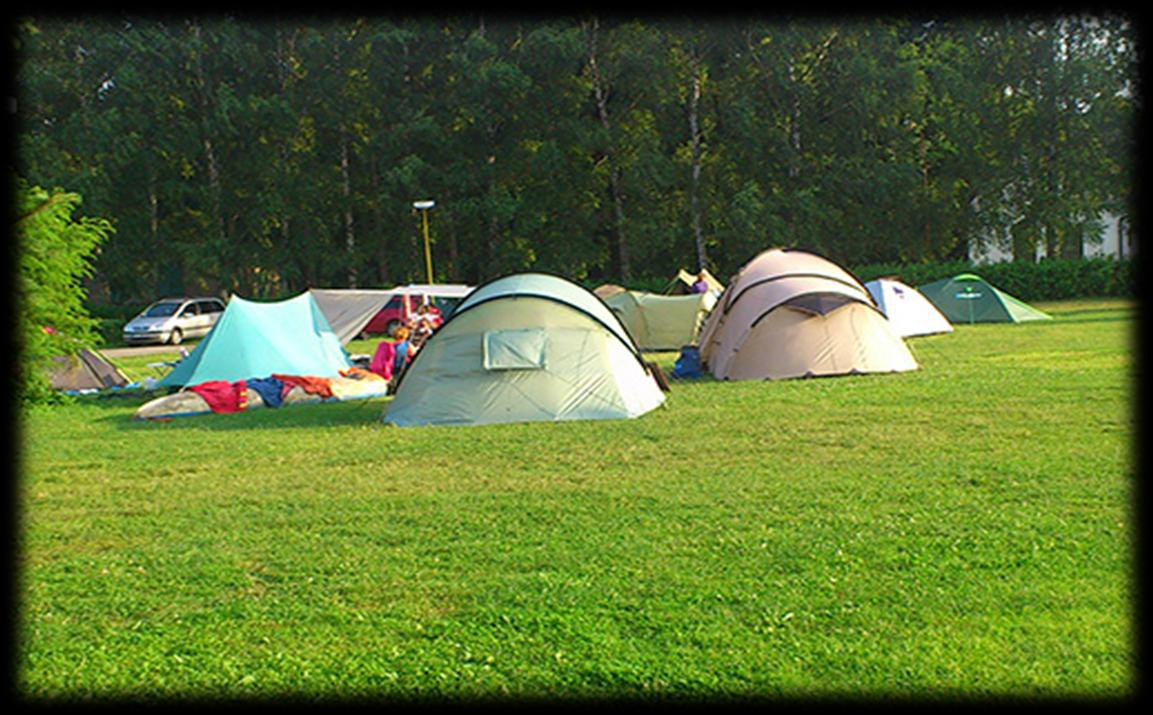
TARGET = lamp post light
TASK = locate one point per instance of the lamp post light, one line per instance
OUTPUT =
(424, 206)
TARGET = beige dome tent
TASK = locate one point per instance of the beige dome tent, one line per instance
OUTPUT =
(789, 313)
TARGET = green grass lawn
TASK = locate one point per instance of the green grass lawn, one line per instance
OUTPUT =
(966, 529)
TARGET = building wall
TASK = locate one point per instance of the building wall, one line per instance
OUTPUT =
(1113, 243)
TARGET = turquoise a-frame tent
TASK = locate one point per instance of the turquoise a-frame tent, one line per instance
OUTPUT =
(252, 340)
(969, 298)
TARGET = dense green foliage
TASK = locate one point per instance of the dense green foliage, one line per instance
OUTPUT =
(1051, 279)
(55, 254)
(964, 530)
(267, 156)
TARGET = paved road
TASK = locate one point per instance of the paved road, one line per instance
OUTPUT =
(147, 350)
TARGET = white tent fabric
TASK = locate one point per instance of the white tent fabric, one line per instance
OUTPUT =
(528, 347)
(909, 312)
(788, 314)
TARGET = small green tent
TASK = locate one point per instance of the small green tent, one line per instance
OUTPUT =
(251, 340)
(968, 298)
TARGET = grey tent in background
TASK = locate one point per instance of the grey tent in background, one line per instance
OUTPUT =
(86, 370)
(349, 310)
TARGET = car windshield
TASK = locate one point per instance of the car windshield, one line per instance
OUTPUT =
(161, 310)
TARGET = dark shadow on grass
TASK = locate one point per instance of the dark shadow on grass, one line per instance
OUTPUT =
(301, 416)
(116, 399)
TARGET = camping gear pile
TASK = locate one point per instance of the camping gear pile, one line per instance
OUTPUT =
(276, 390)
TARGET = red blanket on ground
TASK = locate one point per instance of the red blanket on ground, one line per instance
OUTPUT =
(223, 396)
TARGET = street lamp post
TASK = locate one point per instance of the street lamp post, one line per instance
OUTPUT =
(424, 206)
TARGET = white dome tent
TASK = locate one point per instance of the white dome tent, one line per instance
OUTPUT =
(909, 312)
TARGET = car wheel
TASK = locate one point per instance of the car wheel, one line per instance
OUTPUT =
(177, 336)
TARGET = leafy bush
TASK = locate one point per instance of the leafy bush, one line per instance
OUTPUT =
(55, 253)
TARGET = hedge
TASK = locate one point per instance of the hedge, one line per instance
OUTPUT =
(1051, 279)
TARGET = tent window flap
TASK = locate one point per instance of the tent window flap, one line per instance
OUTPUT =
(514, 349)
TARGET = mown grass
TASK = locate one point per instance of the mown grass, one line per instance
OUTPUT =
(963, 530)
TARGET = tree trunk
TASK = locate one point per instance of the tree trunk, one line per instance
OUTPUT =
(695, 188)
(618, 247)
(1024, 242)
(154, 222)
(211, 161)
(1073, 241)
(346, 189)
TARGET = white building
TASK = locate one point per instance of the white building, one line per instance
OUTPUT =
(1117, 240)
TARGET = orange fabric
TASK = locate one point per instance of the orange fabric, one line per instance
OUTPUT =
(317, 385)
(359, 373)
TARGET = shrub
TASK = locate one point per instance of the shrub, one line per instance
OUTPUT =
(1051, 279)
(55, 253)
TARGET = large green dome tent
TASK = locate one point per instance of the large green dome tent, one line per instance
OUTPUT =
(969, 298)
(523, 348)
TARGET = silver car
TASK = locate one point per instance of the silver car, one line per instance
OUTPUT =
(171, 320)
